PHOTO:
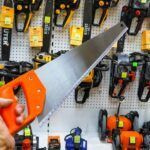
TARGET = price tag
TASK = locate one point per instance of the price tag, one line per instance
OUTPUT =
(120, 124)
(144, 1)
(145, 45)
(77, 139)
(6, 17)
(2, 83)
(47, 19)
(27, 132)
(124, 75)
(76, 35)
(36, 37)
(132, 140)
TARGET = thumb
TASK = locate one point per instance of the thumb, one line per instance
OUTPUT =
(5, 102)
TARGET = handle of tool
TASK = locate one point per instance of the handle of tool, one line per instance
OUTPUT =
(27, 21)
(68, 18)
(34, 93)
(103, 16)
(137, 28)
(142, 86)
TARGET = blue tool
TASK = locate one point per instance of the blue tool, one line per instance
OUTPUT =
(74, 140)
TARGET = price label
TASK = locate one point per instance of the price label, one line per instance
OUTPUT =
(6, 17)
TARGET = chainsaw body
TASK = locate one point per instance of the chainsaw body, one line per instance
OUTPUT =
(74, 141)
(24, 10)
(66, 8)
(127, 140)
(107, 124)
(103, 6)
(135, 10)
(122, 73)
(92, 80)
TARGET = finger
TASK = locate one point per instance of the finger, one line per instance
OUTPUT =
(20, 119)
(10, 142)
(19, 109)
(6, 139)
(3, 127)
(5, 102)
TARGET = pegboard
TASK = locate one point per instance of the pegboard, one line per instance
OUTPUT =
(70, 114)
(99, 97)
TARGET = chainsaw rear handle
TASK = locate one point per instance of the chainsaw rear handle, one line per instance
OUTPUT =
(114, 3)
(104, 7)
(142, 86)
(66, 19)
(144, 81)
(113, 85)
(102, 124)
(26, 22)
(86, 90)
(35, 97)
(128, 14)
(138, 26)
(22, 8)
(69, 6)
(103, 17)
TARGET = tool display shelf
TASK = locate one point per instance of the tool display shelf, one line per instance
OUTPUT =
(70, 114)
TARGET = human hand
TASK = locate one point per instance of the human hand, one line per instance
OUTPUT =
(7, 142)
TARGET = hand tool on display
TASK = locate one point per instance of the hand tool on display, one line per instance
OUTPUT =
(144, 81)
(107, 123)
(66, 8)
(123, 72)
(75, 141)
(24, 10)
(104, 6)
(54, 143)
(6, 36)
(91, 81)
(63, 74)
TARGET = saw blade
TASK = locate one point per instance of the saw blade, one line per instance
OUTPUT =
(65, 73)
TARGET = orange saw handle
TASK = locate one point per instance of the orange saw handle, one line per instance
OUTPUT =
(34, 93)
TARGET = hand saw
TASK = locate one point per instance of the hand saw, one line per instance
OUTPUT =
(55, 80)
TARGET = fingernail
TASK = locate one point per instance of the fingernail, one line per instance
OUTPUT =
(20, 119)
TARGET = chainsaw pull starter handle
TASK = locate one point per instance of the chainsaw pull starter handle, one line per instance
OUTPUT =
(35, 94)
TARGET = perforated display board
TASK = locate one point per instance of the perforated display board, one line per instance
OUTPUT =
(70, 114)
